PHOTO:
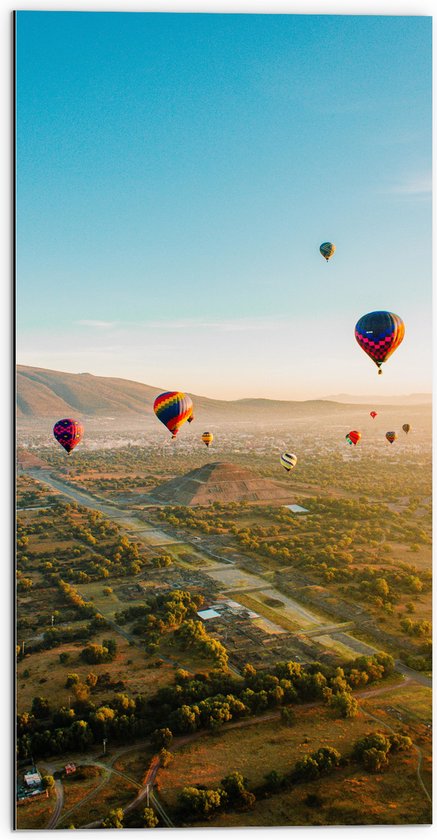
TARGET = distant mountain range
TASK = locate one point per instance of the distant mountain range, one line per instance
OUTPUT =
(377, 399)
(51, 393)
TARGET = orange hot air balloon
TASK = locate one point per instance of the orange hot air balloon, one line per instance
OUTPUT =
(353, 437)
(207, 438)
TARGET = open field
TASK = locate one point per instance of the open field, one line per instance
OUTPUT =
(348, 797)
(116, 793)
(47, 676)
(75, 791)
(135, 762)
(35, 813)
(258, 749)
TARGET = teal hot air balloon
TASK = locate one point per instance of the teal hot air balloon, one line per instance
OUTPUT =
(327, 250)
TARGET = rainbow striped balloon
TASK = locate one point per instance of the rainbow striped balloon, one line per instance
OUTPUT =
(173, 408)
(288, 460)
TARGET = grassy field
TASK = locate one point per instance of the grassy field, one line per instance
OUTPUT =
(47, 675)
(408, 708)
(348, 797)
(135, 763)
(258, 605)
(75, 791)
(35, 813)
(257, 749)
(116, 793)
(351, 796)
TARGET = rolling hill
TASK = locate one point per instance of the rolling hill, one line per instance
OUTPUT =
(51, 393)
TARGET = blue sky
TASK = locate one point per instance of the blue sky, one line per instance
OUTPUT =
(176, 175)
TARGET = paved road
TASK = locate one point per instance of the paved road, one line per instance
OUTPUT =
(414, 675)
(111, 510)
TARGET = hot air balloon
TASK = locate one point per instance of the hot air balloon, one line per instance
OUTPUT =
(68, 433)
(190, 418)
(373, 414)
(353, 437)
(406, 428)
(288, 460)
(207, 438)
(327, 249)
(391, 436)
(379, 334)
(173, 408)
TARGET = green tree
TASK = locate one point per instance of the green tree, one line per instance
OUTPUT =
(150, 820)
(72, 679)
(114, 819)
(40, 707)
(344, 704)
(165, 757)
(161, 738)
(305, 769)
(374, 760)
(48, 782)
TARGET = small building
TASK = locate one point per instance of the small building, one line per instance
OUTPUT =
(70, 768)
(205, 615)
(32, 778)
(296, 509)
(30, 785)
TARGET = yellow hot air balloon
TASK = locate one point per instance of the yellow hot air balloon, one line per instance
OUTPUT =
(207, 438)
(288, 460)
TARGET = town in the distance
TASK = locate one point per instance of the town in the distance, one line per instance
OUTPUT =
(230, 628)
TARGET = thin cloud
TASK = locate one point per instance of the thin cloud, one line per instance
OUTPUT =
(100, 324)
(419, 186)
(226, 325)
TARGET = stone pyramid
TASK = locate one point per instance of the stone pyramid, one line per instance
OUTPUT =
(221, 482)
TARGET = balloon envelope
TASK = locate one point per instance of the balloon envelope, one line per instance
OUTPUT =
(327, 249)
(207, 438)
(173, 408)
(406, 427)
(68, 433)
(379, 334)
(353, 437)
(391, 436)
(373, 414)
(288, 460)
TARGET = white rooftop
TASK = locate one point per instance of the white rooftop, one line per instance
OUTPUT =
(296, 509)
(205, 614)
(32, 779)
